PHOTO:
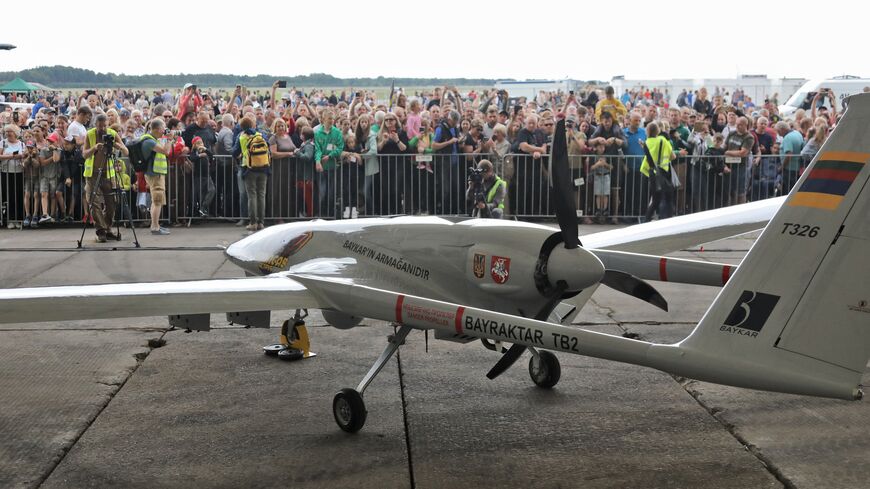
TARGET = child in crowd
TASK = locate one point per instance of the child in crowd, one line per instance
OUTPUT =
(716, 170)
(350, 165)
(71, 166)
(202, 160)
(305, 173)
(601, 183)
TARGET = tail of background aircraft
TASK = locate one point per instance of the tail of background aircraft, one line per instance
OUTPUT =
(795, 317)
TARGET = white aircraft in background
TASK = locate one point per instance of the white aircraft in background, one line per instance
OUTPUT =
(793, 317)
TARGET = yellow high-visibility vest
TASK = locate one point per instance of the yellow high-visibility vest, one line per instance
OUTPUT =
(89, 163)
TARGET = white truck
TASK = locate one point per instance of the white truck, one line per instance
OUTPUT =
(842, 87)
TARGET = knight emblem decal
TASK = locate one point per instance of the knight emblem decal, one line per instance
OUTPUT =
(500, 269)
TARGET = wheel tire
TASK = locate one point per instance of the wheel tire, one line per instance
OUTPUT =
(349, 410)
(290, 354)
(273, 350)
(544, 369)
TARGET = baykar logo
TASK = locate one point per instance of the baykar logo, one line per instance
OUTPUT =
(500, 269)
(479, 265)
(750, 313)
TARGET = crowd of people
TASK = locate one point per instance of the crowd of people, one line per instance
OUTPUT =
(273, 155)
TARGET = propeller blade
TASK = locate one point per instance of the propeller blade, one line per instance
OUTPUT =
(563, 187)
(635, 287)
(515, 351)
(506, 361)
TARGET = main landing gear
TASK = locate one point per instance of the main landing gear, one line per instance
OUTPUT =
(544, 368)
(348, 406)
(294, 343)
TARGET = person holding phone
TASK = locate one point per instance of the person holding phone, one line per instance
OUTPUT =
(190, 101)
(12, 173)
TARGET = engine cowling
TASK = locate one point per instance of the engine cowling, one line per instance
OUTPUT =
(340, 320)
(577, 267)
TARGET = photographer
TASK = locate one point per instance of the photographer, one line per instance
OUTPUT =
(486, 191)
(155, 150)
(100, 176)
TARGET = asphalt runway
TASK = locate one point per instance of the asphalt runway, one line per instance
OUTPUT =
(128, 403)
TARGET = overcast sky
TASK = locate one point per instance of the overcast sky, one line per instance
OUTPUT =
(658, 39)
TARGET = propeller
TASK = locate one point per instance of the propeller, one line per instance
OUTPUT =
(563, 189)
(633, 286)
(566, 215)
(516, 350)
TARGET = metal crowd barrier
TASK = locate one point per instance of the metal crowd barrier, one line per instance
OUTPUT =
(433, 185)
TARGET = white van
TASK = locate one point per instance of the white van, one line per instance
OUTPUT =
(842, 86)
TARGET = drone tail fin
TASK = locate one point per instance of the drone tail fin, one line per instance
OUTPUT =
(795, 317)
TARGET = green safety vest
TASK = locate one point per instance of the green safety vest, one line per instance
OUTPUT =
(494, 189)
(159, 166)
(89, 163)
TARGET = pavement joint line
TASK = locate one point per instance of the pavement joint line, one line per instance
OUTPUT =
(767, 462)
(687, 385)
(642, 323)
(405, 418)
(716, 250)
(46, 269)
(610, 313)
(140, 359)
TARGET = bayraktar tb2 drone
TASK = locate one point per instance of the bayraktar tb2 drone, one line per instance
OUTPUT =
(793, 317)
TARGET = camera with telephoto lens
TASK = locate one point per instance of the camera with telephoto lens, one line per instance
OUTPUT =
(108, 144)
(475, 177)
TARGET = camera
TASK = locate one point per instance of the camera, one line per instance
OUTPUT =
(108, 140)
(282, 83)
(475, 175)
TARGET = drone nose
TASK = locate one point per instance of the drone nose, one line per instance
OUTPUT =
(577, 267)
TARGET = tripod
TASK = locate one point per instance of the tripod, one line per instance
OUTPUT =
(119, 194)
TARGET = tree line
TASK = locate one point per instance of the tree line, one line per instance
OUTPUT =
(70, 77)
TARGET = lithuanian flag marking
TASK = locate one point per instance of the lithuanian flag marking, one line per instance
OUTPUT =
(829, 180)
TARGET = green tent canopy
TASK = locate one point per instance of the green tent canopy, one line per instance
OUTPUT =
(17, 85)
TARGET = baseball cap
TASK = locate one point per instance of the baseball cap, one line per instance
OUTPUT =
(187, 85)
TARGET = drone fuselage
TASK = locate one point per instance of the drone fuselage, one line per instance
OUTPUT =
(486, 263)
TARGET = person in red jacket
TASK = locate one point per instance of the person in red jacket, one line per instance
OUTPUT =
(190, 101)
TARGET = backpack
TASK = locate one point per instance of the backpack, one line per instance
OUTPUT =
(258, 151)
(137, 158)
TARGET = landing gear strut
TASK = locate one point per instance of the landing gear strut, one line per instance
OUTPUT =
(348, 406)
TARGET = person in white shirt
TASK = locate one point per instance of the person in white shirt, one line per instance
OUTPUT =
(77, 130)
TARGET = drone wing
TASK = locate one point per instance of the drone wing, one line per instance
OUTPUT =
(676, 233)
(67, 303)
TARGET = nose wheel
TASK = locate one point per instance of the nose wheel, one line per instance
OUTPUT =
(544, 369)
